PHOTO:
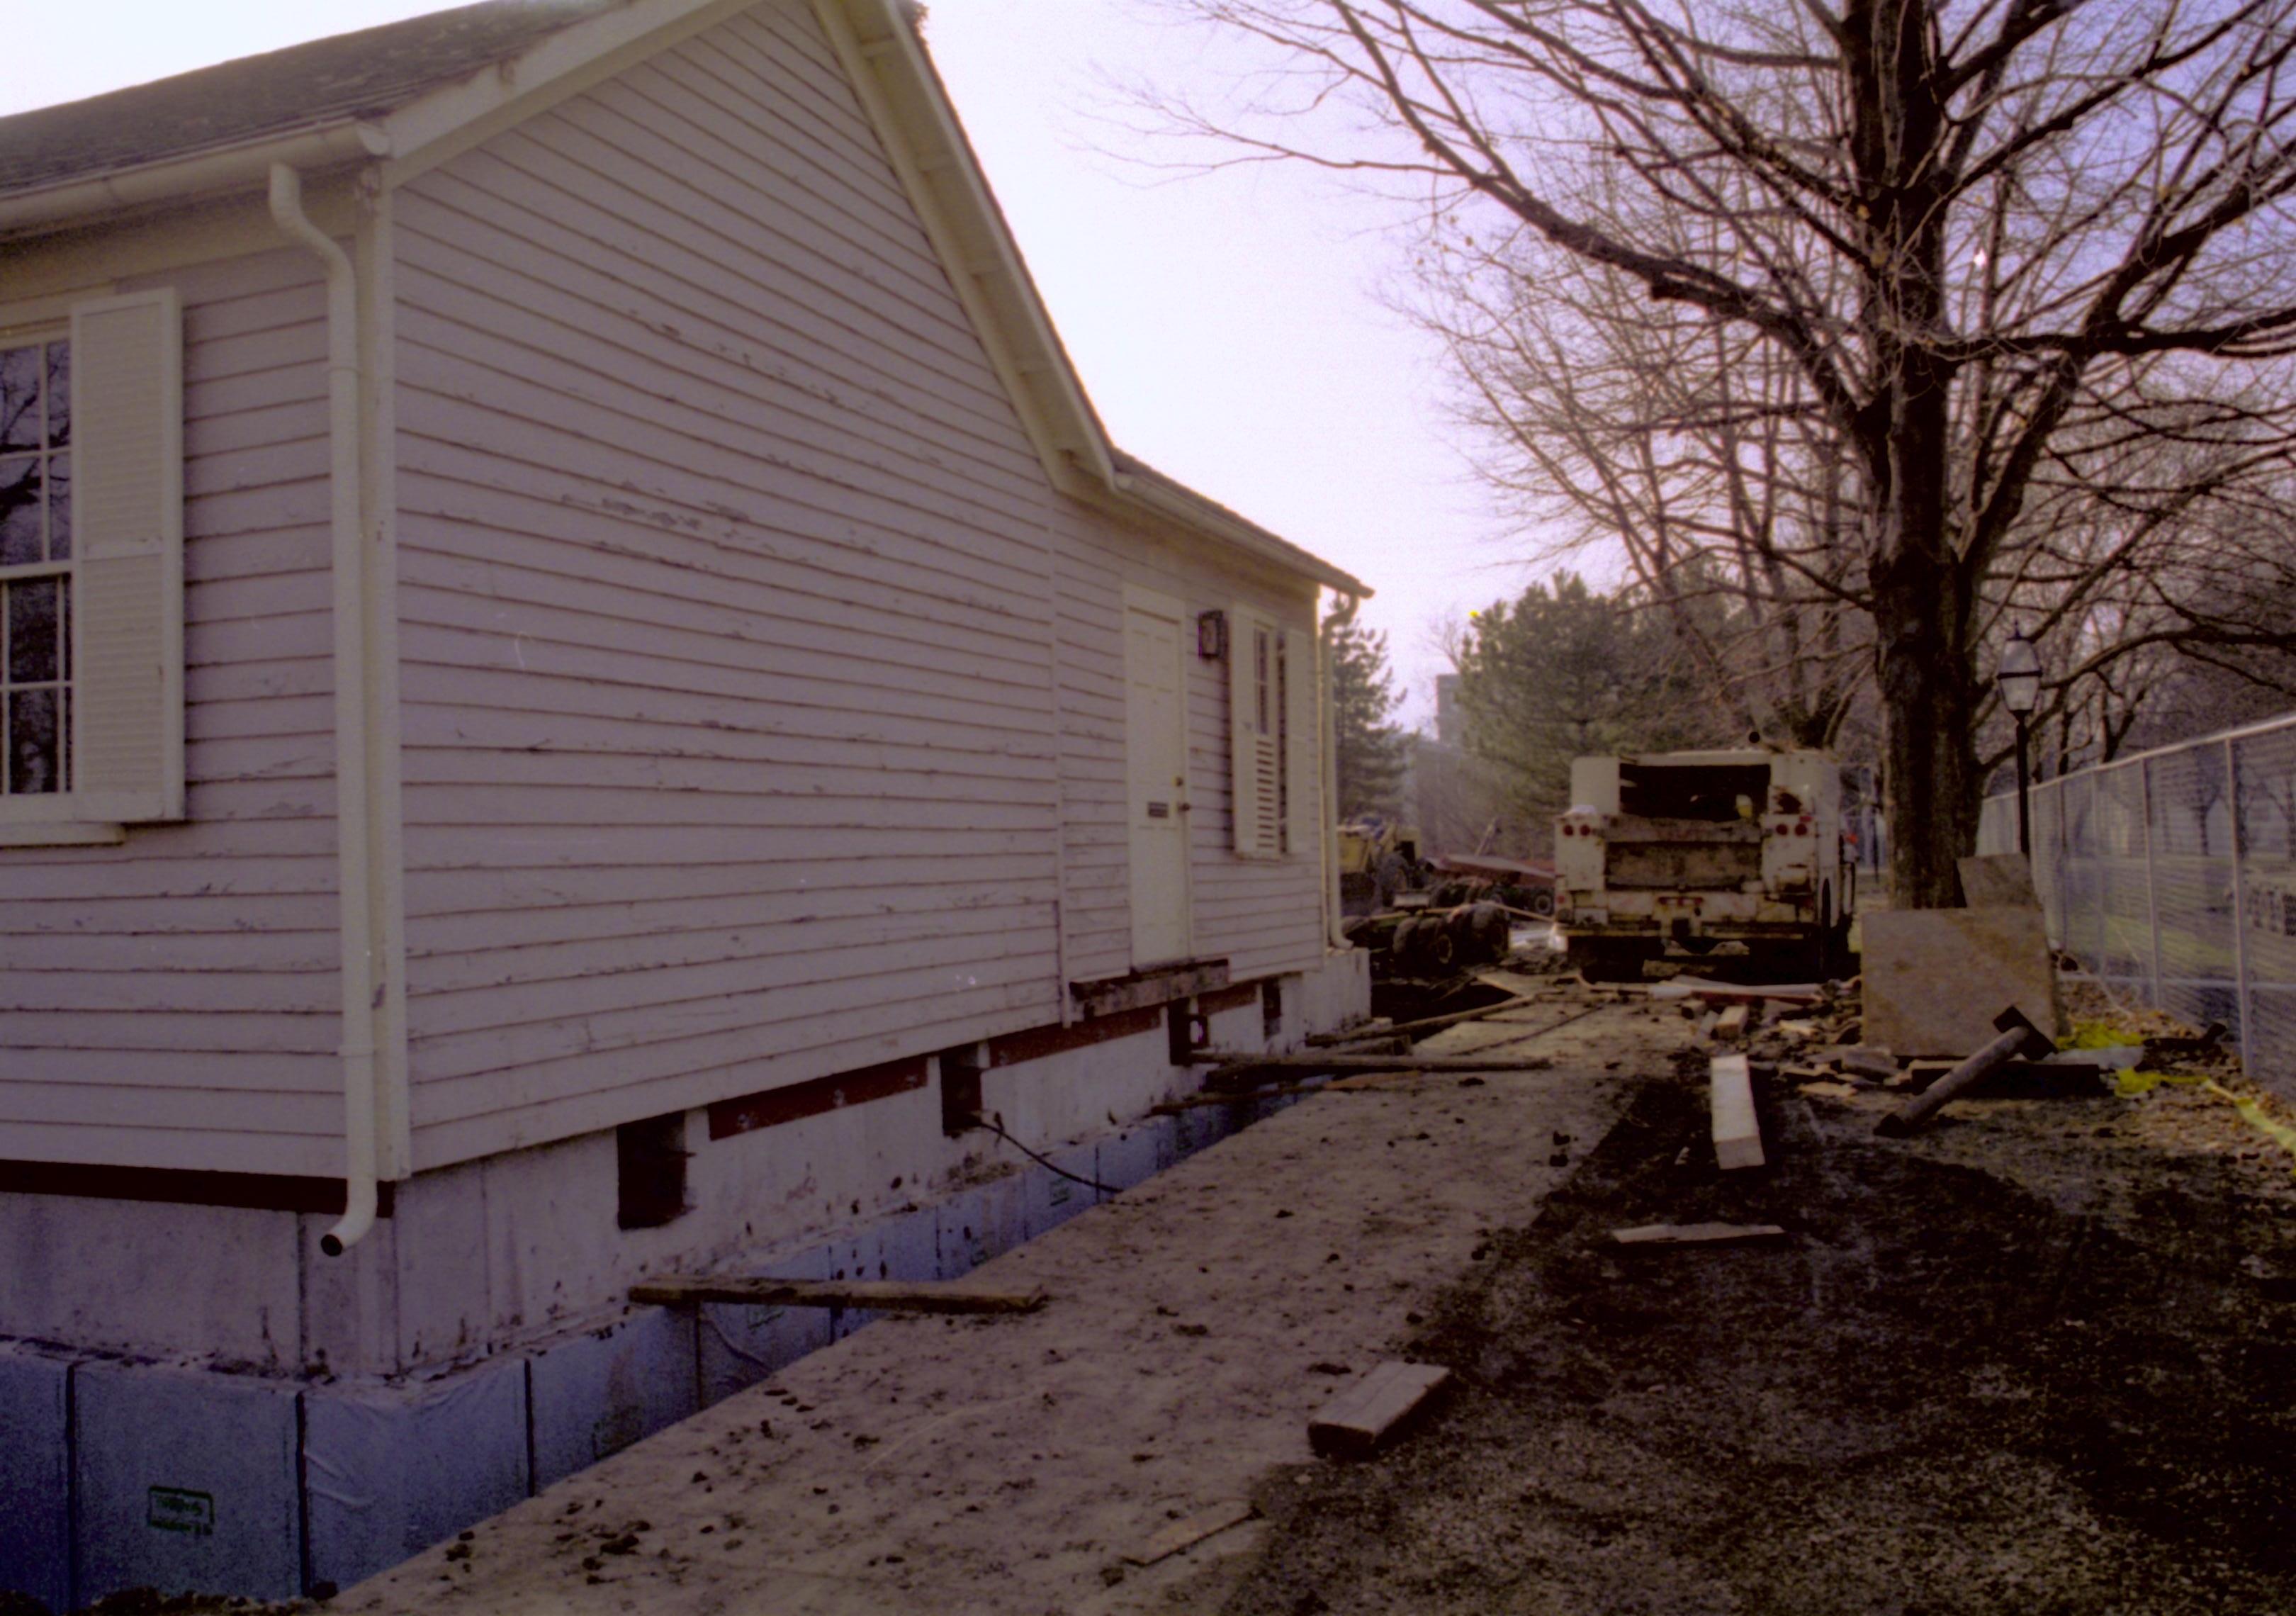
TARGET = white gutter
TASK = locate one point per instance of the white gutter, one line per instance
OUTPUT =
(232, 168)
(1202, 517)
(354, 889)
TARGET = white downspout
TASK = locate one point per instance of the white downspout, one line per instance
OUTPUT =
(354, 889)
(1328, 778)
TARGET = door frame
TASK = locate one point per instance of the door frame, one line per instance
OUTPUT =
(1156, 602)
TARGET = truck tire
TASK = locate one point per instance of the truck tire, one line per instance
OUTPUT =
(1542, 903)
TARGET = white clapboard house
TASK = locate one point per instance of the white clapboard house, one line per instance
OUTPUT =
(582, 691)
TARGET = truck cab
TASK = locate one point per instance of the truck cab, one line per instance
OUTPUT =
(1694, 850)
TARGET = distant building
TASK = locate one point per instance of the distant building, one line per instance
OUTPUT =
(1460, 802)
(1450, 720)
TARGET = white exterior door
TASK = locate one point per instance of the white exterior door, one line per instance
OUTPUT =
(1156, 775)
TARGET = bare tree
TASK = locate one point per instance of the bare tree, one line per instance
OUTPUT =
(1997, 245)
(1609, 421)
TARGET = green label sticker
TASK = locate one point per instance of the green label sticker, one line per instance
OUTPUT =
(178, 1509)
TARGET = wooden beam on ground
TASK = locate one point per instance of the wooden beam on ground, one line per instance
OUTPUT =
(1731, 1025)
(1433, 1023)
(1659, 1236)
(1365, 1417)
(1736, 993)
(1352, 1063)
(1737, 1132)
(874, 1295)
(1193, 1529)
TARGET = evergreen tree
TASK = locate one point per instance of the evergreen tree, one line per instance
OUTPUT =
(1368, 751)
(1562, 672)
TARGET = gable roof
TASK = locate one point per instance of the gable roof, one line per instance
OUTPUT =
(401, 93)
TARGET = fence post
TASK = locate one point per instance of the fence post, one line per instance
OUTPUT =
(2152, 890)
(2239, 900)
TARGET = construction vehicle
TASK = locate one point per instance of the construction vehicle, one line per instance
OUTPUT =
(1693, 850)
(1380, 865)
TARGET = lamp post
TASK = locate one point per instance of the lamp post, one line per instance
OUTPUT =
(2019, 679)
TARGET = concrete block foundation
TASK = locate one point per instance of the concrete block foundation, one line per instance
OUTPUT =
(36, 1475)
(479, 1347)
(184, 1481)
(391, 1470)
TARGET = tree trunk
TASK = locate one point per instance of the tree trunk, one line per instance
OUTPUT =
(1924, 604)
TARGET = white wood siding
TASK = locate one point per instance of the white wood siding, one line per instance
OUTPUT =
(732, 594)
(725, 612)
(171, 1002)
(1264, 915)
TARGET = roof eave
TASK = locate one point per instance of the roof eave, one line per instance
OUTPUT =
(1175, 503)
(199, 177)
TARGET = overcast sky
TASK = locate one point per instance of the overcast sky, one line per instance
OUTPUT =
(1228, 327)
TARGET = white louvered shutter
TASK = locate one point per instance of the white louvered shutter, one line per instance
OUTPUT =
(127, 605)
(1243, 749)
(1303, 799)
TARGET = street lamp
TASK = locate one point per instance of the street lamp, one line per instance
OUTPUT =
(2019, 679)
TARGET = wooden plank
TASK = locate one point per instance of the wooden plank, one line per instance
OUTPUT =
(1373, 1412)
(1737, 1132)
(1150, 988)
(1399, 1063)
(875, 1295)
(1192, 1529)
(1433, 1023)
(1651, 1235)
(1731, 1025)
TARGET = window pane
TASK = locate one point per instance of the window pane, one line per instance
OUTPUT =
(60, 507)
(20, 512)
(35, 632)
(19, 399)
(35, 745)
(58, 395)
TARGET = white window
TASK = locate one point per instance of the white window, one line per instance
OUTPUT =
(36, 567)
(1272, 705)
(91, 571)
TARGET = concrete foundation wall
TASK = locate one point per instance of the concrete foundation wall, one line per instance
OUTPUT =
(321, 1420)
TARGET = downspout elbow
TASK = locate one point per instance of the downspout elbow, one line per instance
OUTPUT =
(361, 1140)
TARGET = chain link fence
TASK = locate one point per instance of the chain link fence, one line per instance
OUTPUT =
(2171, 876)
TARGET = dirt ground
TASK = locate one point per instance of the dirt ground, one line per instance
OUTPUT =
(2042, 1358)
(2039, 1358)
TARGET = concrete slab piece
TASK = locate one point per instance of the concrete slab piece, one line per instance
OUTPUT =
(392, 1470)
(1998, 881)
(1936, 978)
(185, 1482)
(598, 1393)
(36, 1478)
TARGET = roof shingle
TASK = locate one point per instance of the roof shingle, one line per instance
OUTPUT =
(327, 81)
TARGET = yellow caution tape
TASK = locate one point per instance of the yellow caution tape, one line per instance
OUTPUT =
(2279, 1132)
(2130, 1084)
